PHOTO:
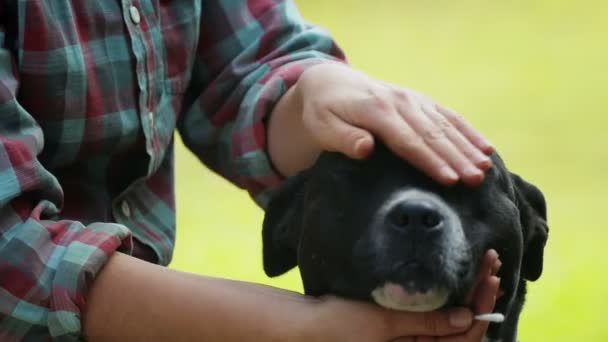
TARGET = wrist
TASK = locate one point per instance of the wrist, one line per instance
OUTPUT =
(291, 146)
(310, 322)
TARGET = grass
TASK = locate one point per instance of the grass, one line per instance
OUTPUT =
(531, 75)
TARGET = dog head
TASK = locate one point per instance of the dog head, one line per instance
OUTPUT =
(378, 229)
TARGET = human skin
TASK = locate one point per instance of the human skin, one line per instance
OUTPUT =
(337, 108)
(331, 107)
(132, 300)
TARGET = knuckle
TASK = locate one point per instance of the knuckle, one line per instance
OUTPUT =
(379, 101)
(434, 134)
(430, 323)
(458, 118)
(407, 100)
(327, 120)
(411, 142)
(443, 123)
(403, 95)
(353, 135)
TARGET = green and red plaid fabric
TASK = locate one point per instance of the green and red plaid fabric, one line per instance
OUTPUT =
(90, 95)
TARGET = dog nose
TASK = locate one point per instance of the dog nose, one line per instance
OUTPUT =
(415, 215)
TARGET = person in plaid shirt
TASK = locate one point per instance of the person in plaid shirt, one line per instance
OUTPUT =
(91, 93)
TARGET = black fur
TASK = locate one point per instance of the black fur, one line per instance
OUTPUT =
(322, 221)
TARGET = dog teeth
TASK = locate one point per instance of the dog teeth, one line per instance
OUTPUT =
(491, 317)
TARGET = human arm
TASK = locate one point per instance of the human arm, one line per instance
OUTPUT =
(250, 85)
(138, 301)
(240, 72)
(45, 264)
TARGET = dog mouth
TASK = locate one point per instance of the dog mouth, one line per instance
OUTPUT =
(415, 286)
(395, 296)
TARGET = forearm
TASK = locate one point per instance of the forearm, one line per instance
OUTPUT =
(133, 300)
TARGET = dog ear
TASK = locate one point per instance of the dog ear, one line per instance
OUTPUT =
(282, 225)
(533, 216)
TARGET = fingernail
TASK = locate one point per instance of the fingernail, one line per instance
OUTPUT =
(495, 268)
(488, 147)
(473, 171)
(494, 253)
(460, 318)
(498, 264)
(483, 163)
(449, 174)
(361, 150)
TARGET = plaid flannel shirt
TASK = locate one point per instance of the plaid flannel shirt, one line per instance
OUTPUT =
(90, 95)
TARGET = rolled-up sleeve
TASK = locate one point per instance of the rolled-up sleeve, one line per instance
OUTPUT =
(249, 54)
(46, 266)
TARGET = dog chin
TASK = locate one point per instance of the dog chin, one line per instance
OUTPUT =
(394, 296)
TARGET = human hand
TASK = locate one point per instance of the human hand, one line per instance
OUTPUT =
(343, 109)
(343, 320)
(337, 319)
(481, 300)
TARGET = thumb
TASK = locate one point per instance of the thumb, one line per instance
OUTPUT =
(335, 134)
(363, 144)
(432, 323)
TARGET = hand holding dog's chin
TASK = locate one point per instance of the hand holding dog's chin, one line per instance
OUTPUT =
(334, 107)
(337, 319)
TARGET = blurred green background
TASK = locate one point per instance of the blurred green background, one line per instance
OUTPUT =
(531, 75)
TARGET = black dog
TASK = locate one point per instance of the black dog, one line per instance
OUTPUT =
(380, 230)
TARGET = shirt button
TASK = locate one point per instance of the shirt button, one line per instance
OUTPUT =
(126, 210)
(135, 17)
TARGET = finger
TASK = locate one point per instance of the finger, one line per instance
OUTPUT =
(434, 323)
(466, 129)
(380, 116)
(484, 303)
(409, 145)
(335, 134)
(496, 267)
(485, 269)
(435, 137)
(477, 157)
(489, 263)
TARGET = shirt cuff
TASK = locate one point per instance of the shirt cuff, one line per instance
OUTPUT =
(249, 147)
(47, 268)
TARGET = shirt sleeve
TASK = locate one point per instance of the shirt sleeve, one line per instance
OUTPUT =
(45, 266)
(249, 54)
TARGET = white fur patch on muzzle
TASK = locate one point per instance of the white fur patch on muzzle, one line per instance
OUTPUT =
(394, 296)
